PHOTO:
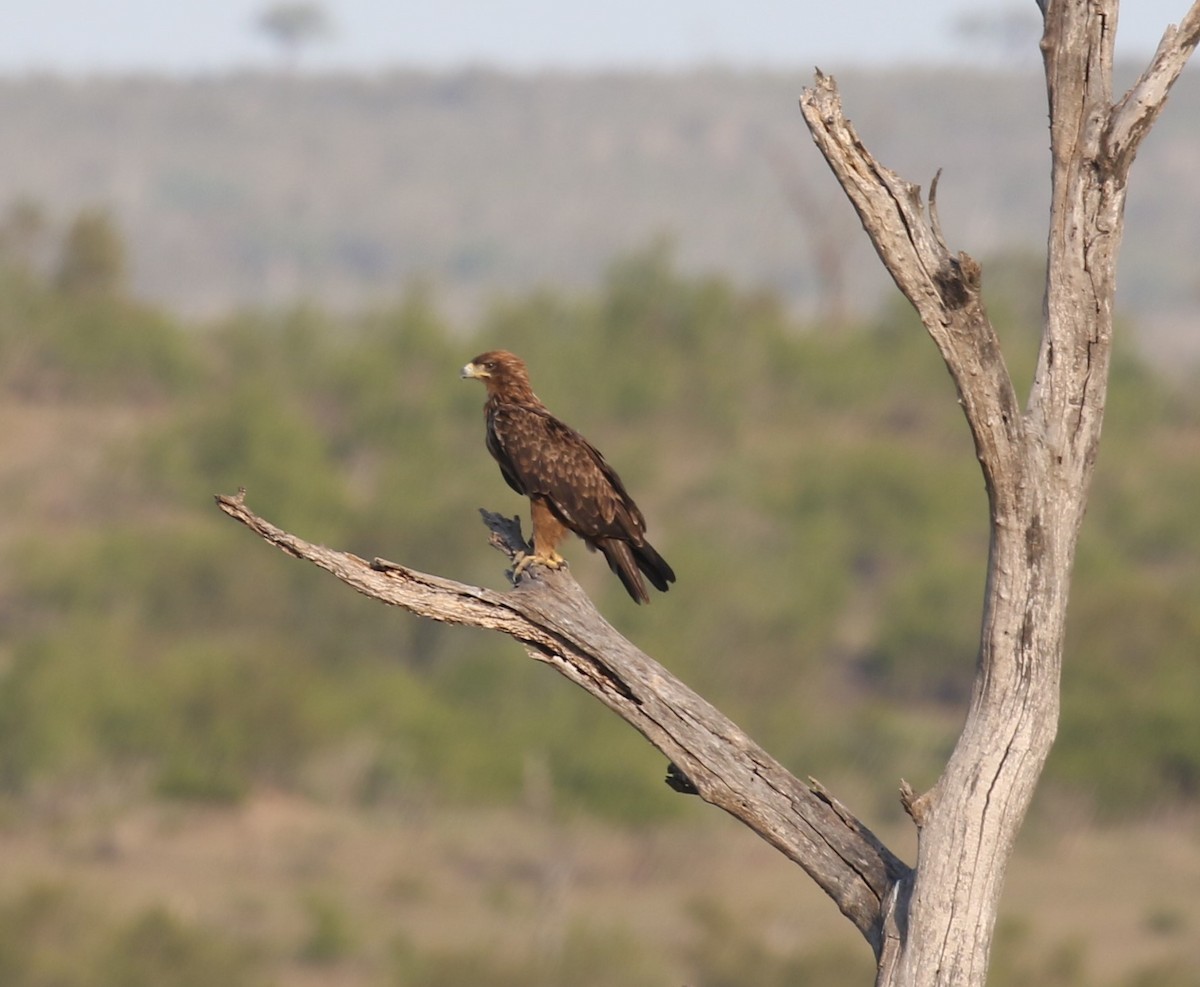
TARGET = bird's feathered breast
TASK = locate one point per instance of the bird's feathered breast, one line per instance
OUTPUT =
(542, 457)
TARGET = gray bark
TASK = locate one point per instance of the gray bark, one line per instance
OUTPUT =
(930, 924)
(1037, 462)
(551, 617)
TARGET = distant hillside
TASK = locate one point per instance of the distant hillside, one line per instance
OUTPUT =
(260, 189)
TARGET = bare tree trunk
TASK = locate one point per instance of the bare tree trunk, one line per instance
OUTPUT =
(1037, 463)
(930, 925)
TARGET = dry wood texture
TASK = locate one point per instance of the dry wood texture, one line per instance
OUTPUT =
(1037, 462)
(549, 614)
(931, 924)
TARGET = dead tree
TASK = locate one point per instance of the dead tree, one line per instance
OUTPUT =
(932, 923)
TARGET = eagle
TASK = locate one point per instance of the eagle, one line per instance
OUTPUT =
(569, 484)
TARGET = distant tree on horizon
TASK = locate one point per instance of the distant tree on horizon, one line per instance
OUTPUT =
(292, 26)
(22, 234)
(92, 261)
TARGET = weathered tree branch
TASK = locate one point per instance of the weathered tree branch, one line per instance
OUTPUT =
(943, 287)
(945, 916)
(1037, 464)
(1132, 118)
(549, 614)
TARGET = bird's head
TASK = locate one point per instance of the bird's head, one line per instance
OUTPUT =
(501, 372)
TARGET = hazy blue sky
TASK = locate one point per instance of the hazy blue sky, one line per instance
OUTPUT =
(205, 35)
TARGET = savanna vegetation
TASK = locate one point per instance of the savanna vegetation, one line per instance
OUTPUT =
(815, 491)
(256, 188)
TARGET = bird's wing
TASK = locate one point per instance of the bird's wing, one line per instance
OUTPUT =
(541, 456)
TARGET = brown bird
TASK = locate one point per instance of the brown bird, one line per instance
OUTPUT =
(569, 485)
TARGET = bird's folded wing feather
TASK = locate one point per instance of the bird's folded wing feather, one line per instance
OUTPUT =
(541, 456)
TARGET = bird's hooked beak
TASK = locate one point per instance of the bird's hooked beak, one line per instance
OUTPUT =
(472, 370)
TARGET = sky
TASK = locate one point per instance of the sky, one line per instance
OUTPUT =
(79, 37)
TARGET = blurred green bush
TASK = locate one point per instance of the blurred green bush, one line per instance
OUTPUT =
(816, 492)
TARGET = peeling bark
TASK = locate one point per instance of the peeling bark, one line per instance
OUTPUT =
(710, 756)
(1037, 462)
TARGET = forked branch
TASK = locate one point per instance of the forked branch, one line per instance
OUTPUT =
(1133, 116)
(942, 286)
(551, 617)
(1037, 463)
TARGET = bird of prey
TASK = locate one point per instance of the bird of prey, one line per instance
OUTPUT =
(569, 485)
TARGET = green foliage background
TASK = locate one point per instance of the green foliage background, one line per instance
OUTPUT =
(816, 491)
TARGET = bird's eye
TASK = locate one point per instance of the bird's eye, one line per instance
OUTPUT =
(490, 365)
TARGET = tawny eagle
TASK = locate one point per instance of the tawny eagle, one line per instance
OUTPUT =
(569, 485)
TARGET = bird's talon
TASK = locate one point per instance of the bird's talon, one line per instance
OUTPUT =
(524, 560)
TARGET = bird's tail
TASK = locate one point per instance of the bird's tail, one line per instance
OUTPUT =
(629, 561)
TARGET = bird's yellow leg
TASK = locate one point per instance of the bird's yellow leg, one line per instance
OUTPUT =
(548, 531)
